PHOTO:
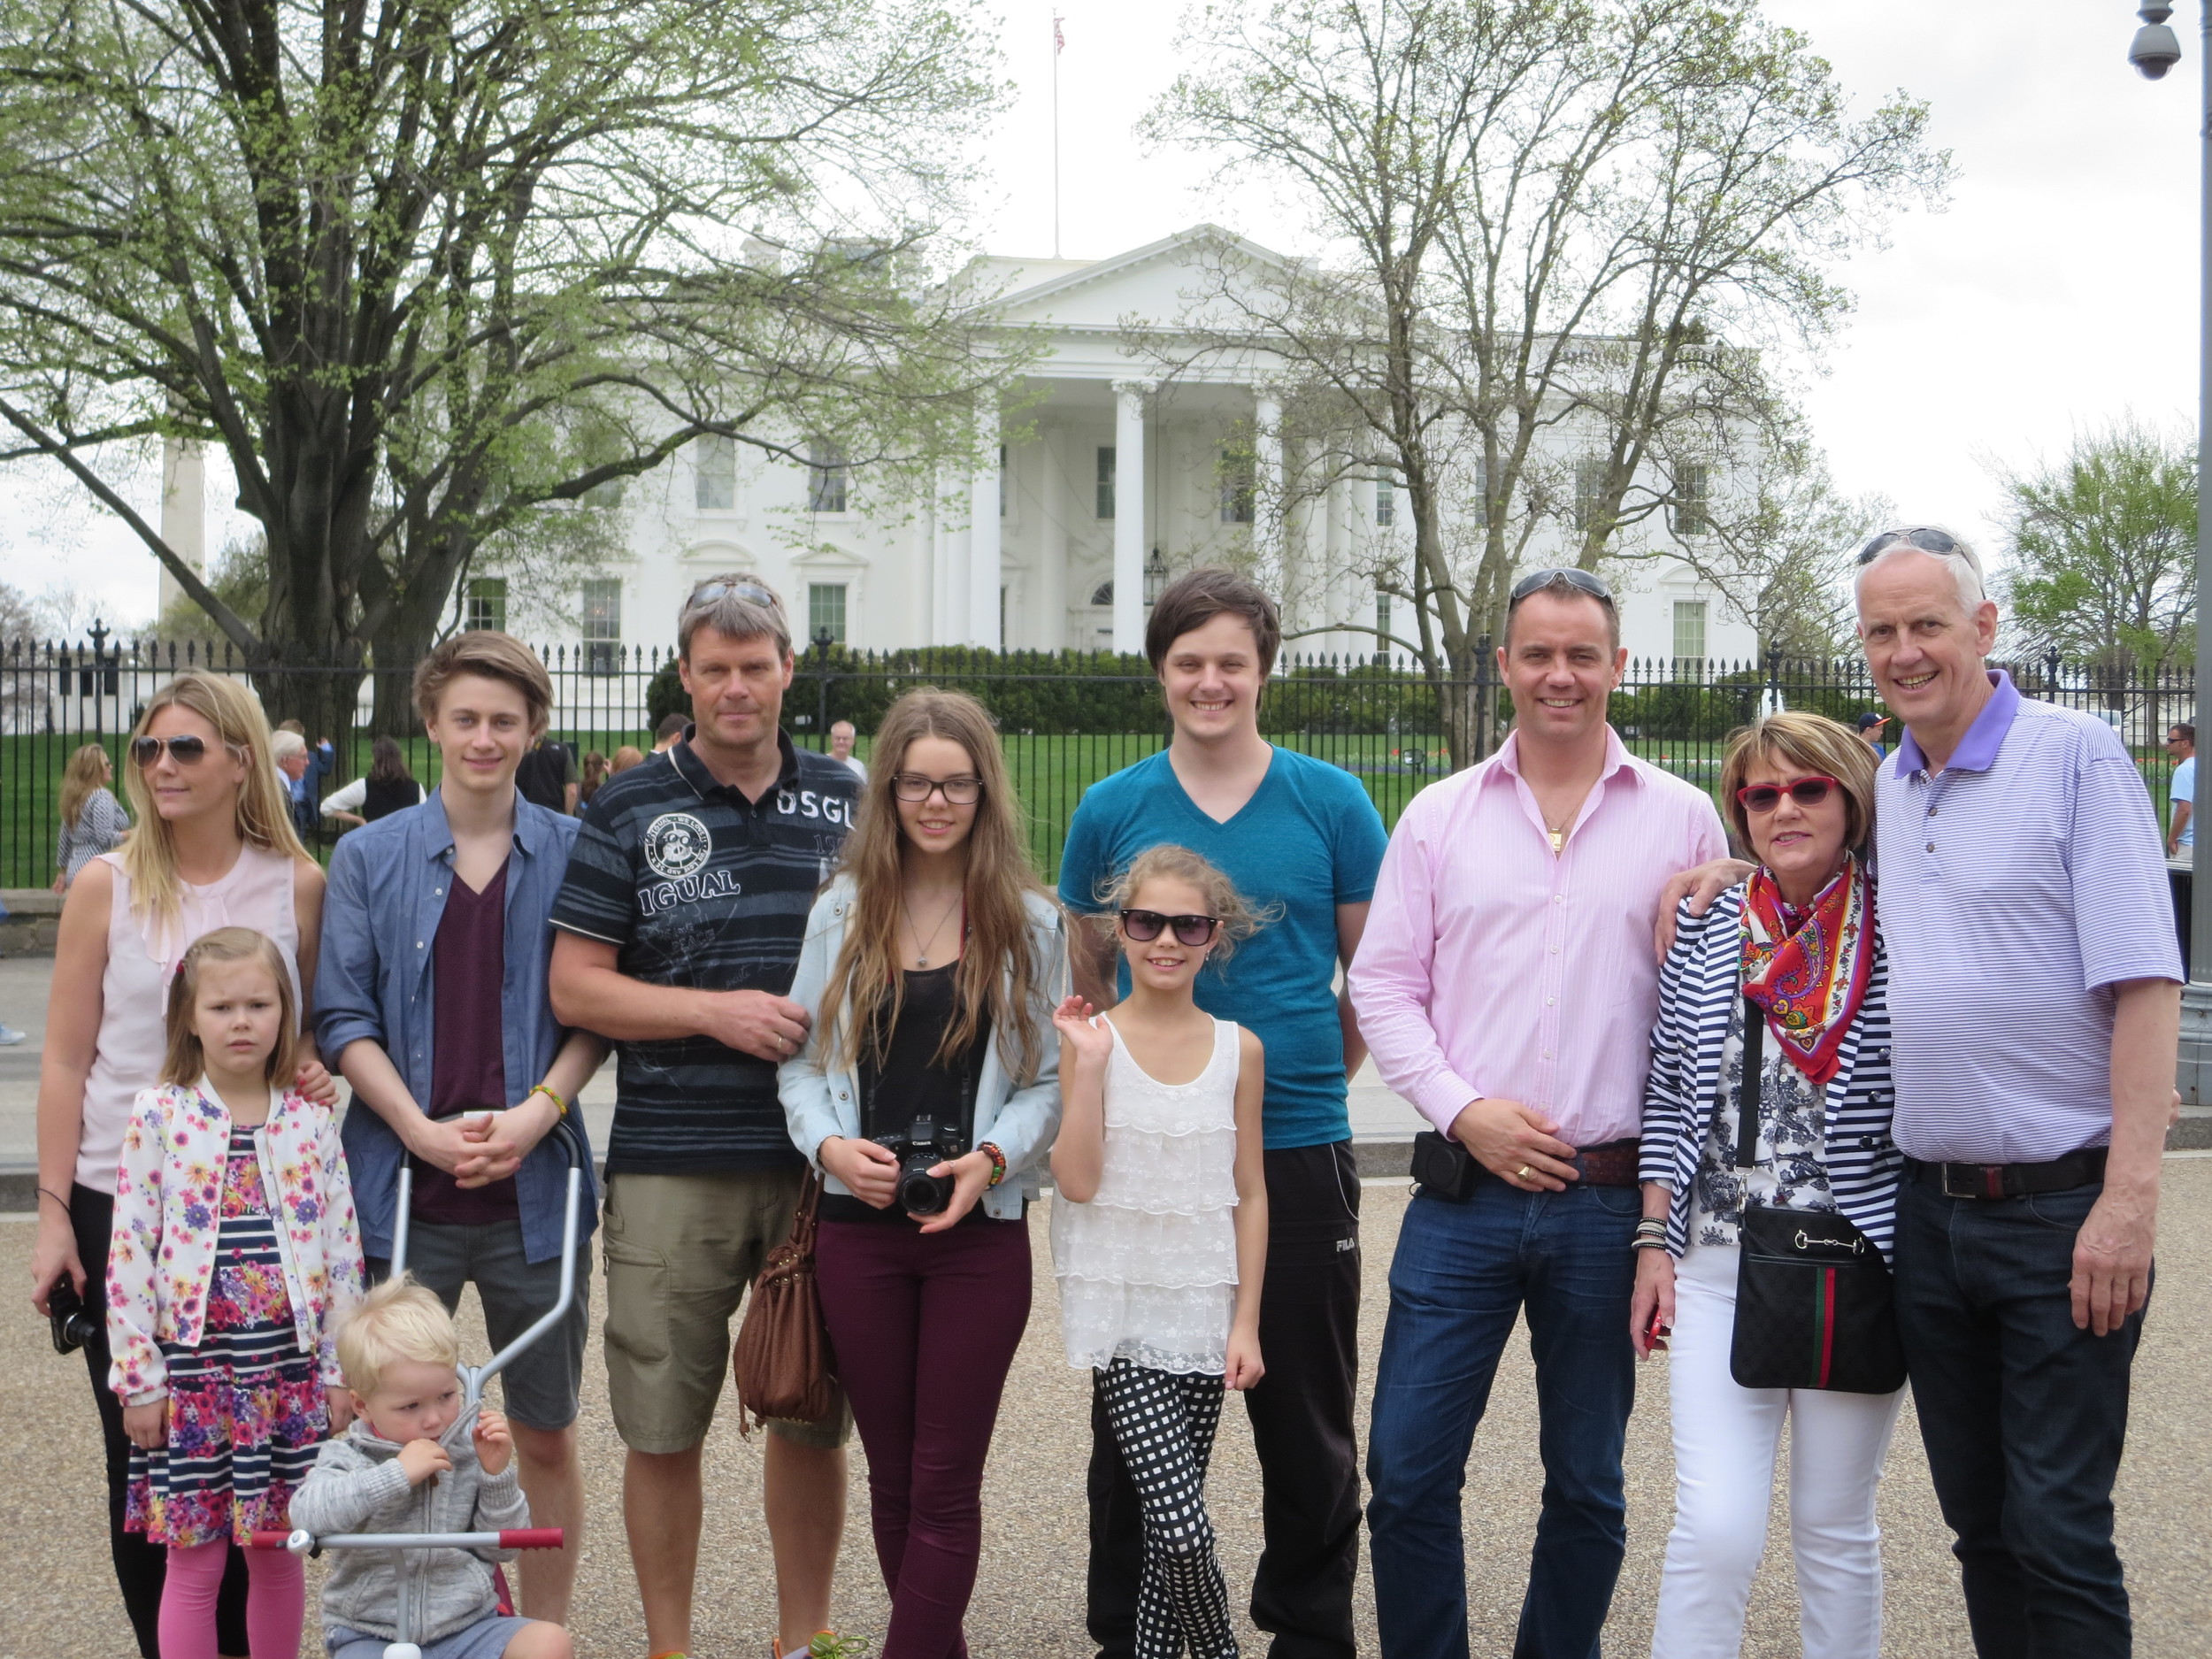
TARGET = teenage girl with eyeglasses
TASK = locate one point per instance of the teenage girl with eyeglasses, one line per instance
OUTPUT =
(214, 848)
(930, 971)
(1159, 1230)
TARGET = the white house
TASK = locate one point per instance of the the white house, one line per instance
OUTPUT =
(1113, 479)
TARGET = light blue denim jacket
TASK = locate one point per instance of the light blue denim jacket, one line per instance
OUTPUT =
(818, 1103)
(380, 913)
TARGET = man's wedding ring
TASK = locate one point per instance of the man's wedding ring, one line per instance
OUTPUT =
(1521, 1174)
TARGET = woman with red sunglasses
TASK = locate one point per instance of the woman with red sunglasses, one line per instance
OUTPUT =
(1794, 946)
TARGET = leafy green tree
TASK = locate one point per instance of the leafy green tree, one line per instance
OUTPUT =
(430, 275)
(2103, 549)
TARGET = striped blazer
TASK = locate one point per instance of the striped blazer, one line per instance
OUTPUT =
(1699, 985)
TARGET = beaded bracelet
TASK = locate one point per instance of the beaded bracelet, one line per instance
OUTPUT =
(1648, 1242)
(998, 1161)
(549, 1094)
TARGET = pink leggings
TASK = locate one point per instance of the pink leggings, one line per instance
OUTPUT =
(276, 1602)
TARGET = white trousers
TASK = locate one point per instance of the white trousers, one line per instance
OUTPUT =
(1724, 1442)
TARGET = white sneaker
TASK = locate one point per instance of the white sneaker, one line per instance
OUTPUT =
(10, 1036)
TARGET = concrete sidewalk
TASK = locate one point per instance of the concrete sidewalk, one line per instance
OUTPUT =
(58, 1599)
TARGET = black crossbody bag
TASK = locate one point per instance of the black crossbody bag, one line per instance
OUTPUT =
(1814, 1303)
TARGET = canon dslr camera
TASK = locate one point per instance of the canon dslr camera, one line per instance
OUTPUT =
(73, 1327)
(918, 1150)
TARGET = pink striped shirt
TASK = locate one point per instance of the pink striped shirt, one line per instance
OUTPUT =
(1491, 967)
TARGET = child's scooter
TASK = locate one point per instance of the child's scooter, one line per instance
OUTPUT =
(473, 1380)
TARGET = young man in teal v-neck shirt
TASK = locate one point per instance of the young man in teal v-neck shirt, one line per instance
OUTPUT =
(1302, 842)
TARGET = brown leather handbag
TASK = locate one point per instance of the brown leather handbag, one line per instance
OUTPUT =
(782, 1359)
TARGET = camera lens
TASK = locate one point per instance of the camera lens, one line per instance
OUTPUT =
(920, 1192)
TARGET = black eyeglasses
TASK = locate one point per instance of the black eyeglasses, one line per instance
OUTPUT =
(1144, 927)
(1926, 540)
(185, 751)
(1536, 582)
(1810, 790)
(707, 593)
(911, 786)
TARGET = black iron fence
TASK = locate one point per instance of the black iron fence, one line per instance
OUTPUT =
(1066, 720)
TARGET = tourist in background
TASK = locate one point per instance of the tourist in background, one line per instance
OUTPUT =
(387, 788)
(628, 756)
(594, 774)
(930, 970)
(2181, 747)
(1799, 938)
(213, 847)
(842, 736)
(92, 819)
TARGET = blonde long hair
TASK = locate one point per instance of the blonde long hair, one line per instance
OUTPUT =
(85, 774)
(1000, 879)
(263, 817)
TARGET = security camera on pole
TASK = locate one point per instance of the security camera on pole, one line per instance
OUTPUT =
(2155, 51)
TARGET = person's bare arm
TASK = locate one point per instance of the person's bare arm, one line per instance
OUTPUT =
(1701, 885)
(308, 884)
(73, 1009)
(569, 792)
(1093, 970)
(1079, 1151)
(497, 1148)
(1246, 1364)
(1351, 922)
(591, 993)
(2183, 812)
(2112, 1252)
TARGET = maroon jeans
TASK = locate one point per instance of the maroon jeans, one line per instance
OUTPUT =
(925, 1329)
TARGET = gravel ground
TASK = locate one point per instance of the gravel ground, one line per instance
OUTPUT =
(56, 1598)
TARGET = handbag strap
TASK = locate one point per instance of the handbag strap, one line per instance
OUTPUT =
(1753, 1087)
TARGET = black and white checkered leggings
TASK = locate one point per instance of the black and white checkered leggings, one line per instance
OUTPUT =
(1163, 1425)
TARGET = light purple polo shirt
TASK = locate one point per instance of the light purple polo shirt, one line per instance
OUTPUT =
(2017, 888)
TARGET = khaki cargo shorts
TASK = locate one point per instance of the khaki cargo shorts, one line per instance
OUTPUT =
(679, 1252)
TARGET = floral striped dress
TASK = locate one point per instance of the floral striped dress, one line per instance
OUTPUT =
(247, 1412)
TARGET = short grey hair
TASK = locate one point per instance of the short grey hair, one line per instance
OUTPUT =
(1966, 564)
(284, 745)
(739, 604)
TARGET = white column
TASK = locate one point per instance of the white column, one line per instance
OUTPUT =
(1052, 551)
(950, 624)
(183, 512)
(1269, 521)
(984, 552)
(928, 605)
(1129, 503)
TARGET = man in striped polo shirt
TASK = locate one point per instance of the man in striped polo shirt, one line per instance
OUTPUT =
(681, 923)
(2034, 989)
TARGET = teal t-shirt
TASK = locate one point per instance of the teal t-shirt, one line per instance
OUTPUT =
(1308, 840)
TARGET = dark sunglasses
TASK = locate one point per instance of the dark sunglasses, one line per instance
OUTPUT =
(1926, 540)
(1535, 582)
(911, 786)
(1144, 927)
(185, 751)
(1810, 790)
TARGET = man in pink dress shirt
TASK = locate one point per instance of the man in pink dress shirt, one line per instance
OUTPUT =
(1505, 986)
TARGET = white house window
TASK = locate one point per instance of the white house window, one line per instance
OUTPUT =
(1692, 482)
(1689, 638)
(606, 495)
(603, 625)
(1382, 618)
(1105, 504)
(1002, 481)
(1385, 501)
(484, 604)
(1589, 488)
(1237, 488)
(826, 472)
(826, 611)
(714, 489)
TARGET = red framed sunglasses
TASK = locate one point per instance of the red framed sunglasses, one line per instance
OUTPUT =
(1810, 790)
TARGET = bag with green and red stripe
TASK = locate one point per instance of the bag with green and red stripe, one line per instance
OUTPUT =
(1814, 1306)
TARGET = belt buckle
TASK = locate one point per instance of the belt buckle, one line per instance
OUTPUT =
(1950, 1190)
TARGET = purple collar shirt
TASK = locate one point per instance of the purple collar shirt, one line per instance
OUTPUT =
(1492, 967)
(2019, 885)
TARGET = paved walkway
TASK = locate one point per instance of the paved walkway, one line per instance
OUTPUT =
(56, 1599)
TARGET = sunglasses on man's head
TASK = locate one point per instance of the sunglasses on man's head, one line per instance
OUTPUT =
(707, 594)
(185, 751)
(1807, 791)
(1535, 582)
(1926, 540)
(1144, 927)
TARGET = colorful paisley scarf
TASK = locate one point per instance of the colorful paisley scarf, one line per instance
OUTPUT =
(1809, 969)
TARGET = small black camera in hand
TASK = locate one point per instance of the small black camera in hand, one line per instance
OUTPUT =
(921, 1148)
(73, 1327)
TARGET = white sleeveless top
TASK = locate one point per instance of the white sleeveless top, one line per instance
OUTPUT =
(1148, 1269)
(135, 991)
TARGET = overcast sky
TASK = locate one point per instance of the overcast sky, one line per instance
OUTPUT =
(2057, 291)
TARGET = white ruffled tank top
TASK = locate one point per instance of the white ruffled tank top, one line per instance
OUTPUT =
(1148, 1269)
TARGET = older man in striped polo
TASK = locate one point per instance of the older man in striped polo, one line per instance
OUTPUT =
(2033, 976)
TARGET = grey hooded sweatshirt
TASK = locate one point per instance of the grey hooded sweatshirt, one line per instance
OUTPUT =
(357, 1486)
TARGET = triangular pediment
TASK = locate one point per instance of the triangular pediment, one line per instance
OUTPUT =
(1158, 282)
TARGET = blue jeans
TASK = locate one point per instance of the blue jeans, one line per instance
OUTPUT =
(2024, 1417)
(1461, 1274)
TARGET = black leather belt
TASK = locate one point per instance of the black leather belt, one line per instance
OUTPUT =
(2011, 1180)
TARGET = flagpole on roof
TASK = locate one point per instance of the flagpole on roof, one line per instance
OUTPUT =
(1059, 44)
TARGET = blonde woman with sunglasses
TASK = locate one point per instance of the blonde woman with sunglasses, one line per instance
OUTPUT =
(214, 848)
